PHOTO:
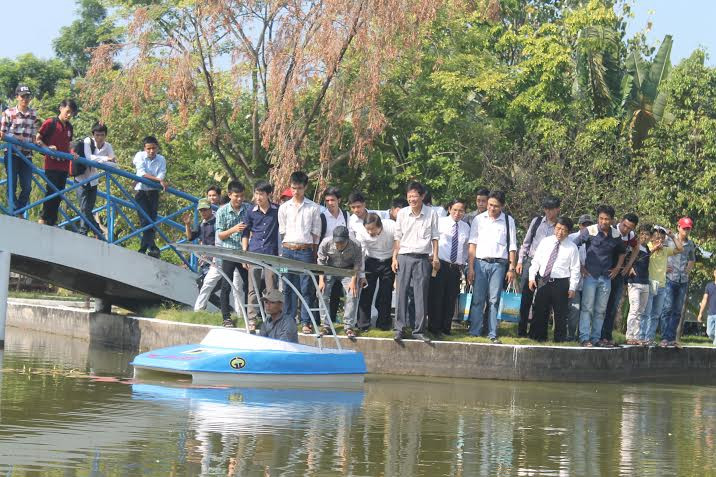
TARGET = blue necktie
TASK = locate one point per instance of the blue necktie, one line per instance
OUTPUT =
(453, 247)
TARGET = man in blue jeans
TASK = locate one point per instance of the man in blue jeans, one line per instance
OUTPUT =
(677, 283)
(492, 258)
(603, 243)
(299, 225)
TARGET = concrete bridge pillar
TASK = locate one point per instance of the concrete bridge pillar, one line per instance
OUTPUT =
(4, 288)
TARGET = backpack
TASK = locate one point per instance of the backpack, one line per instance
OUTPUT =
(324, 224)
(77, 169)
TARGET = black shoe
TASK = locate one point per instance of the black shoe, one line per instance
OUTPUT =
(495, 341)
(142, 251)
(154, 252)
(420, 336)
(228, 323)
(398, 336)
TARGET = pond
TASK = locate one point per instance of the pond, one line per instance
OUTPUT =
(67, 408)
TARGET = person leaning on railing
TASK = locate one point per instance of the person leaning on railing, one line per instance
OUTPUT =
(97, 149)
(56, 134)
(20, 122)
(149, 165)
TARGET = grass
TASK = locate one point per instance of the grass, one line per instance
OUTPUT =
(60, 294)
(171, 313)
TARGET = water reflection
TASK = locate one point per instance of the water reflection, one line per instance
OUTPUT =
(60, 415)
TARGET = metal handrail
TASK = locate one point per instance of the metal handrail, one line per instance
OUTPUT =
(108, 176)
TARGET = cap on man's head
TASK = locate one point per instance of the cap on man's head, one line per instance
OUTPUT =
(22, 90)
(203, 204)
(551, 203)
(686, 223)
(273, 296)
(340, 234)
(287, 192)
(586, 219)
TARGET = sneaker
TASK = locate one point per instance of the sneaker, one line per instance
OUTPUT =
(586, 344)
(422, 337)
(154, 252)
(228, 323)
(398, 336)
(142, 251)
(325, 330)
(495, 341)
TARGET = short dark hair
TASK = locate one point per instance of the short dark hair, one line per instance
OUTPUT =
(481, 191)
(498, 195)
(356, 196)
(215, 188)
(150, 140)
(398, 202)
(605, 209)
(428, 199)
(645, 228)
(334, 191)
(299, 177)
(68, 102)
(235, 186)
(566, 221)
(373, 218)
(551, 202)
(263, 186)
(99, 128)
(456, 201)
(224, 199)
(416, 186)
(631, 217)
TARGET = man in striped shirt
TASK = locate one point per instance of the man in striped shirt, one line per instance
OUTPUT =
(20, 122)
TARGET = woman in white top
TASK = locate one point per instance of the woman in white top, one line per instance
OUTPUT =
(376, 238)
(98, 150)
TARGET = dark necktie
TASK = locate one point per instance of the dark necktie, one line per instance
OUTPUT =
(453, 246)
(550, 262)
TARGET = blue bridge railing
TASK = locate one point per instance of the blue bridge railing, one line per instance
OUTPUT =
(114, 199)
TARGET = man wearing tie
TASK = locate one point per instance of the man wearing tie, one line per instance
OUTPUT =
(553, 276)
(452, 252)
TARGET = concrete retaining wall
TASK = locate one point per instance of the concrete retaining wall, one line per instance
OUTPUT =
(384, 356)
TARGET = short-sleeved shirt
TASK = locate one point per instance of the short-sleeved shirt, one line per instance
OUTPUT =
(530, 244)
(156, 167)
(678, 263)
(283, 329)
(263, 230)
(657, 263)
(61, 138)
(350, 257)
(710, 292)
(227, 217)
(299, 223)
(641, 267)
(21, 125)
(381, 246)
(446, 227)
(416, 231)
(490, 236)
(601, 249)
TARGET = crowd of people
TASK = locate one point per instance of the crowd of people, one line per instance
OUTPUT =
(423, 253)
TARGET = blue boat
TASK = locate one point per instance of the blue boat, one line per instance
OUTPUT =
(229, 357)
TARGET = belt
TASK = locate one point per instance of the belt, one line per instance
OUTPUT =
(297, 246)
(493, 260)
(416, 255)
(454, 266)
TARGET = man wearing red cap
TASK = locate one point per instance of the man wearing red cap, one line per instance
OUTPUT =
(677, 282)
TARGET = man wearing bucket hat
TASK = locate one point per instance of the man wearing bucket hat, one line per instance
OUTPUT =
(276, 325)
(677, 283)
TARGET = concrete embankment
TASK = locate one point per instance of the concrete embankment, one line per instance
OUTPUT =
(384, 356)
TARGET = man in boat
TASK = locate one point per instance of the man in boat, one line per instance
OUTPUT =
(276, 325)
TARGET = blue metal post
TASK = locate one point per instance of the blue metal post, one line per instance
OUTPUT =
(10, 181)
(110, 211)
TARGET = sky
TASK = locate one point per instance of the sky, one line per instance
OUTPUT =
(689, 21)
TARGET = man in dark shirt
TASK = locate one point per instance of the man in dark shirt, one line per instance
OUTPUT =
(260, 236)
(603, 243)
(56, 134)
(205, 231)
(276, 325)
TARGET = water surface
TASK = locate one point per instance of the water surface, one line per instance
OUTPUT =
(70, 409)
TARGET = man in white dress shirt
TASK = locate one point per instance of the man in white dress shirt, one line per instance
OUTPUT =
(416, 239)
(96, 149)
(299, 225)
(376, 240)
(492, 258)
(452, 252)
(554, 275)
(149, 165)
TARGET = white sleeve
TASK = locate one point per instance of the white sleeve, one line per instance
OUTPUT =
(513, 235)
(575, 271)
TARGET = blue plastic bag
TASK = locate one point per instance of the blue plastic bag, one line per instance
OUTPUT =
(464, 303)
(509, 309)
